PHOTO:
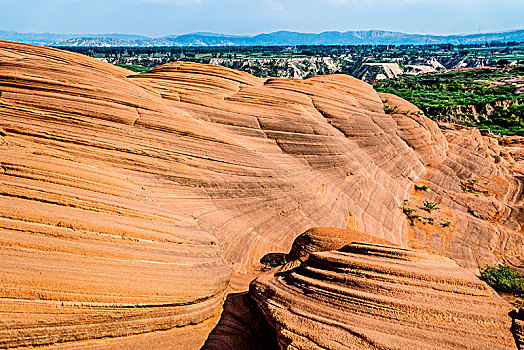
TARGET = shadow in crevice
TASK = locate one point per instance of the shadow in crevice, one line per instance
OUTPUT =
(242, 326)
(273, 259)
(517, 327)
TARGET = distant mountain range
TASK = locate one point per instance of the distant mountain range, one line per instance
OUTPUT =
(378, 37)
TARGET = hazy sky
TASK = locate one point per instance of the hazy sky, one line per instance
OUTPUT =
(162, 17)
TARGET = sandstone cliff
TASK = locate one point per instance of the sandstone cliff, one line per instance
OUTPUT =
(132, 204)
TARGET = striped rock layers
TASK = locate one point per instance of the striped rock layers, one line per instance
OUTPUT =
(131, 204)
(367, 296)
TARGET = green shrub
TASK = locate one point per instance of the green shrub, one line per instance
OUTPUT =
(430, 220)
(429, 206)
(421, 187)
(473, 212)
(390, 110)
(445, 223)
(407, 210)
(507, 117)
(410, 214)
(502, 279)
(274, 263)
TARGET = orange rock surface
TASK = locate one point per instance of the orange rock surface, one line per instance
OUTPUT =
(321, 239)
(132, 204)
(479, 196)
(367, 296)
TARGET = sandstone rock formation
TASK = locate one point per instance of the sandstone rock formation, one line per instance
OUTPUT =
(367, 296)
(132, 204)
(321, 239)
(476, 189)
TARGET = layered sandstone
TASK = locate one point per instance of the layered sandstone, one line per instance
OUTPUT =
(367, 296)
(132, 204)
(477, 191)
(321, 239)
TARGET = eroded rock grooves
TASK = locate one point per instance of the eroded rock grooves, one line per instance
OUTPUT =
(379, 297)
(132, 204)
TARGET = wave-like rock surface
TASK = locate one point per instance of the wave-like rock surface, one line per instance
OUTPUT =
(367, 296)
(131, 204)
(87, 250)
(477, 191)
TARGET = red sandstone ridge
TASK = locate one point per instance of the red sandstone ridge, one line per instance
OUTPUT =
(367, 296)
(131, 205)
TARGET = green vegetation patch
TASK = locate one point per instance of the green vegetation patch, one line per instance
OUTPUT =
(429, 206)
(502, 279)
(459, 88)
(434, 92)
(135, 68)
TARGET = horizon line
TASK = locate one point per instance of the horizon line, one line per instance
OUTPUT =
(272, 32)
